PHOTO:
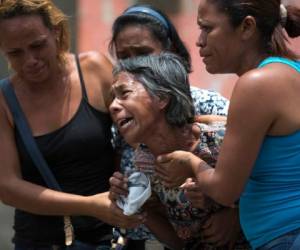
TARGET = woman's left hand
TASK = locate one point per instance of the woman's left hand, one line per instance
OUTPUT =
(223, 228)
(194, 194)
(174, 168)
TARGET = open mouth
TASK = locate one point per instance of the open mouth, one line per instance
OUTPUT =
(125, 122)
(36, 71)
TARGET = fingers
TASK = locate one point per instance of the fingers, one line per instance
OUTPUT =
(167, 158)
(118, 184)
(134, 220)
(113, 196)
(210, 118)
(119, 176)
(124, 221)
(190, 185)
(196, 130)
(195, 195)
(164, 158)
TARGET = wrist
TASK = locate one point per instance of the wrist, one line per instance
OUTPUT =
(95, 205)
(198, 165)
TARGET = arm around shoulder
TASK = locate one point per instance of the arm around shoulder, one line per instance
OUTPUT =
(251, 114)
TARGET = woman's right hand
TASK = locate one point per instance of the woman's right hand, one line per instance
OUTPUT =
(118, 186)
(106, 210)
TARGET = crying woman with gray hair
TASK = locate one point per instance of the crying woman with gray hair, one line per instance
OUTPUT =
(153, 109)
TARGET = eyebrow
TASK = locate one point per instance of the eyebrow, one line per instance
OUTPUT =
(42, 39)
(117, 86)
(39, 40)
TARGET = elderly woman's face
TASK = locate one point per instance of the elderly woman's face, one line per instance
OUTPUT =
(133, 110)
(136, 40)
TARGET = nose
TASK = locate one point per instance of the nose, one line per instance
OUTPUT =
(201, 41)
(30, 59)
(114, 107)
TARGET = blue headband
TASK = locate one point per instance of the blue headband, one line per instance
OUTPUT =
(150, 12)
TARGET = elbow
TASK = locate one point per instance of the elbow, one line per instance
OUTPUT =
(4, 196)
(6, 193)
(227, 200)
(224, 193)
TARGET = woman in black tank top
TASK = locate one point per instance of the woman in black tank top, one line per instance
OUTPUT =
(64, 100)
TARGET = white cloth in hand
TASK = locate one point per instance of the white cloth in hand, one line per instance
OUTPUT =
(139, 190)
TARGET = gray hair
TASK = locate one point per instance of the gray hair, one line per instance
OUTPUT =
(165, 77)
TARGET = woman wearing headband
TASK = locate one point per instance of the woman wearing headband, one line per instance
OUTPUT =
(143, 30)
(259, 160)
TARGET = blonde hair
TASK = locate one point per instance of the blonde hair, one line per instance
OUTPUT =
(52, 18)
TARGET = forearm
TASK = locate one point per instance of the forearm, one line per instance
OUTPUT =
(208, 119)
(40, 200)
(209, 182)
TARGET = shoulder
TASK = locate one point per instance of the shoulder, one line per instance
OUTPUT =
(95, 62)
(265, 81)
(94, 59)
(97, 73)
(257, 97)
(266, 88)
(209, 102)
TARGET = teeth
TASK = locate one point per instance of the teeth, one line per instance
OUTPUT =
(122, 122)
(125, 121)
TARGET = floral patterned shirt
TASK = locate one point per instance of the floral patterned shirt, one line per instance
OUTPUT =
(187, 220)
(206, 102)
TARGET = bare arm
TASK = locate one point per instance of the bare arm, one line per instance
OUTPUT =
(177, 174)
(251, 114)
(16, 192)
(208, 119)
(97, 72)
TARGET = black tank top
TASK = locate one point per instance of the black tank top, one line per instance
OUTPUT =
(80, 156)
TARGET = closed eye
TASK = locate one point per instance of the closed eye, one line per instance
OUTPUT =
(14, 53)
(205, 28)
(121, 93)
(38, 45)
(125, 93)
